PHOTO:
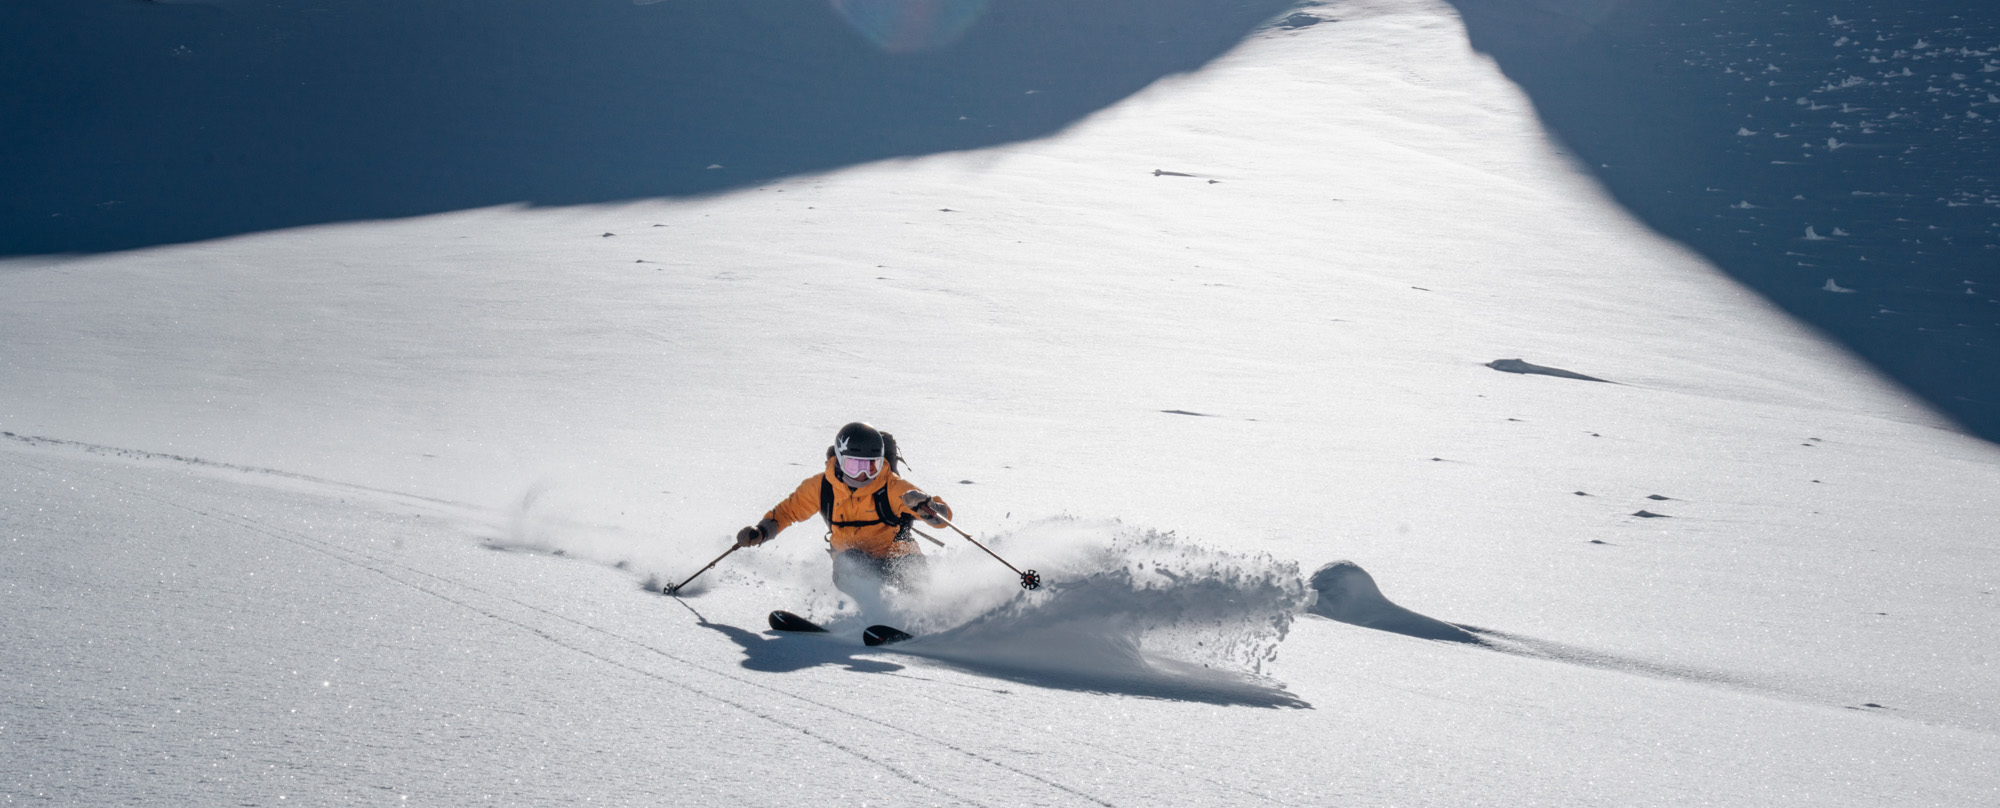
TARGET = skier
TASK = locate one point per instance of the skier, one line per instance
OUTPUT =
(868, 511)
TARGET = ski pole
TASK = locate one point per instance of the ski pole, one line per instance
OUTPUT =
(676, 588)
(933, 539)
(1029, 580)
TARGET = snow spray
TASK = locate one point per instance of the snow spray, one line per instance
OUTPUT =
(1117, 602)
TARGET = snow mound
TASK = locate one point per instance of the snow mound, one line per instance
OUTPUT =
(1347, 593)
(1519, 366)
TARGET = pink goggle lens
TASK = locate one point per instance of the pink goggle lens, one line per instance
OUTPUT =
(860, 468)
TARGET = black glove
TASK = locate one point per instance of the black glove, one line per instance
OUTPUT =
(756, 534)
(932, 510)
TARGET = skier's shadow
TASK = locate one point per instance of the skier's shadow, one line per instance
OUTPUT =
(777, 652)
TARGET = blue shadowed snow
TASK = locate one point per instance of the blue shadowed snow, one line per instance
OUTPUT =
(908, 26)
(1807, 149)
(130, 124)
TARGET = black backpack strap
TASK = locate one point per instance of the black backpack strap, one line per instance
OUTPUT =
(826, 500)
(885, 513)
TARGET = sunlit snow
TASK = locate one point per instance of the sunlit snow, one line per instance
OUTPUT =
(381, 511)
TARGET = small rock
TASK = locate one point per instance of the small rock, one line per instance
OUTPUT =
(1657, 498)
(1581, 494)
(1644, 514)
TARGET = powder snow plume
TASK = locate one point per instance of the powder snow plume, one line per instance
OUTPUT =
(1121, 609)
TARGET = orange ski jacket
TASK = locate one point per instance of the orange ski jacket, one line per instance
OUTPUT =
(853, 505)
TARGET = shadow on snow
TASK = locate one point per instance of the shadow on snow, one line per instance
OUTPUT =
(127, 123)
(1837, 156)
(780, 652)
(1348, 594)
(777, 652)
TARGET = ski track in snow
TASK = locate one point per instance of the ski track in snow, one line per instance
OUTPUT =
(141, 454)
(1535, 648)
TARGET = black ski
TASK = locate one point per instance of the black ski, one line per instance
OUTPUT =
(782, 620)
(884, 635)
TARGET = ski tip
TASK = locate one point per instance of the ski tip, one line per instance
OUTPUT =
(884, 635)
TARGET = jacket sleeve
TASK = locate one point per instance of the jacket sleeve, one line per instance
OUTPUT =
(803, 504)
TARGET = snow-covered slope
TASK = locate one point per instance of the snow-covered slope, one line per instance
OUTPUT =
(349, 513)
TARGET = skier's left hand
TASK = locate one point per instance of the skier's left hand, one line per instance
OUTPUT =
(939, 514)
(935, 512)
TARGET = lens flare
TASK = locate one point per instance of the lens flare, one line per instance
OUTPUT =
(910, 26)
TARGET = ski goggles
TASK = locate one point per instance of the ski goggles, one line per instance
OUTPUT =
(860, 468)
